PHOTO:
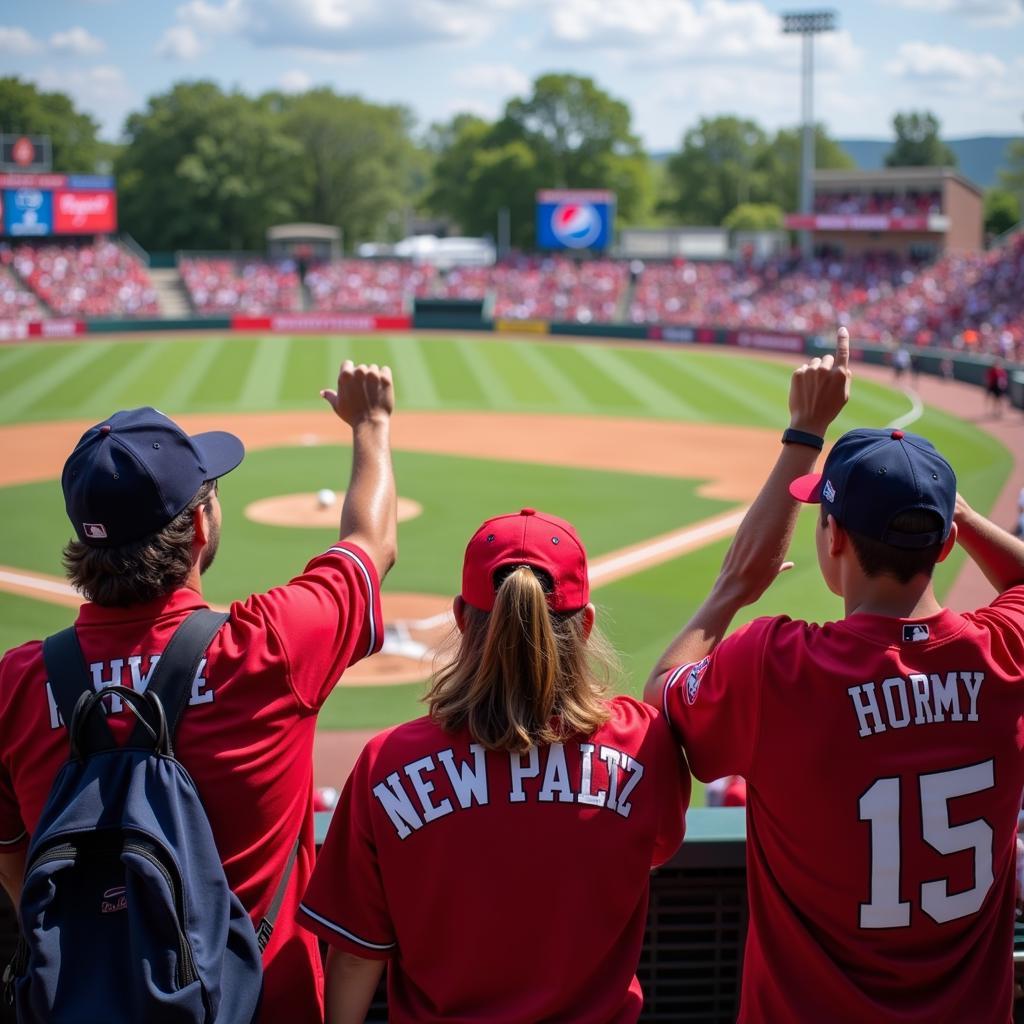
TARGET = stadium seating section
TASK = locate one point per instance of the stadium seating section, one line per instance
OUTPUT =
(218, 285)
(16, 301)
(909, 204)
(101, 278)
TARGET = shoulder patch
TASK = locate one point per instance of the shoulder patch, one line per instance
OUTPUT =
(694, 677)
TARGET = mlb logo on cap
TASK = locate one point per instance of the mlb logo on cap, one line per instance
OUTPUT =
(94, 531)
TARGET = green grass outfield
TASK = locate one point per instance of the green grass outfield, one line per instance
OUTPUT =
(89, 379)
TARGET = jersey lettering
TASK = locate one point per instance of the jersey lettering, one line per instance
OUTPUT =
(918, 699)
(411, 798)
(112, 673)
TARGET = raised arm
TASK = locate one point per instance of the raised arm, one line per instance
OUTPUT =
(998, 554)
(818, 391)
(365, 400)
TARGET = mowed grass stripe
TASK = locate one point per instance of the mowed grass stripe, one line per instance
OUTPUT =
(39, 362)
(304, 371)
(525, 386)
(456, 385)
(177, 395)
(12, 355)
(414, 382)
(601, 390)
(567, 397)
(488, 378)
(127, 387)
(40, 391)
(262, 383)
(632, 373)
(221, 387)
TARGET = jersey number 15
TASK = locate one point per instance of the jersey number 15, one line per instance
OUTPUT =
(880, 805)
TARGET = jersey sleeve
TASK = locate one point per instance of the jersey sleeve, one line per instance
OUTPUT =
(714, 705)
(323, 621)
(15, 664)
(345, 903)
(13, 834)
(674, 775)
(1004, 619)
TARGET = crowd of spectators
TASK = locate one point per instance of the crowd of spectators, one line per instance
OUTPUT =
(905, 204)
(383, 287)
(97, 279)
(16, 301)
(251, 287)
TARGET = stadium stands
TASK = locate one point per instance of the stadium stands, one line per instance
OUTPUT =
(97, 279)
(369, 286)
(16, 301)
(891, 204)
(218, 285)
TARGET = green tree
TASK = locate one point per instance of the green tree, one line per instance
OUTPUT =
(202, 168)
(26, 108)
(918, 143)
(580, 137)
(1012, 176)
(722, 163)
(754, 217)
(359, 168)
(1002, 210)
(453, 145)
(780, 163)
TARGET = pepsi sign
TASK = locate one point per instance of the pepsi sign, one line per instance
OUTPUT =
(574, 218)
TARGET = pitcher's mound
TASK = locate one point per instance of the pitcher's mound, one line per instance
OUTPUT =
(313, 510)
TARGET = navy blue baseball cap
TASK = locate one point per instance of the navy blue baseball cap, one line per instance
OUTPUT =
(871, 476)
(131, 474)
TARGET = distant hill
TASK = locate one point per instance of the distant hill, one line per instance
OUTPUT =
(979, 159)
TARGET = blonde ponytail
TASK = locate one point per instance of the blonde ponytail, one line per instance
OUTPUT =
(522, 676)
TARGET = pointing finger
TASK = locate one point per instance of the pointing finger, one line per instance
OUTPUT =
(843, 348)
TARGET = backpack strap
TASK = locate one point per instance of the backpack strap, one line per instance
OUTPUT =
(266, 925)
(69, 679)
(171, 680)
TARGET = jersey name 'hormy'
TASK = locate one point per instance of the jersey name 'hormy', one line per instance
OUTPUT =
(917, 699)
(410, 801)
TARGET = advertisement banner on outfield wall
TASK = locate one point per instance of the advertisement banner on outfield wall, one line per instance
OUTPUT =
(522, 326)
(677, 333)
(14, 330)
(772, 341)
(326, 323)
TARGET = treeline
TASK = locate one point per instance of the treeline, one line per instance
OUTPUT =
(201, 167)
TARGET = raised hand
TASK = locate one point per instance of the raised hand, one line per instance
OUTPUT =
(364, 393)
(819, 389)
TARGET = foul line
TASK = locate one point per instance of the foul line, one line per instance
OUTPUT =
(916, 411)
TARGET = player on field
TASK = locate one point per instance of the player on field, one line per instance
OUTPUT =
(142, 497)
(882, 752)
(496, 852)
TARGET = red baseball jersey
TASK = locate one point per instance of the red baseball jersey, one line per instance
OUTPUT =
(504, 888)
(246, 737)
(884, 775)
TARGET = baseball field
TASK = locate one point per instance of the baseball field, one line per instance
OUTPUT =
(653, 453)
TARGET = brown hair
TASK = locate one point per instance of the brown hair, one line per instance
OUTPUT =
(141, 570)
(523, 676)
(903, 564)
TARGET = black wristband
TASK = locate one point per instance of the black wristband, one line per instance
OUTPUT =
(791, 436)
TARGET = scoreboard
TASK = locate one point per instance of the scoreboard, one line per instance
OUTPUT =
(41, 205)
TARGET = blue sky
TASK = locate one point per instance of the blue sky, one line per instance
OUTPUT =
(671, 60)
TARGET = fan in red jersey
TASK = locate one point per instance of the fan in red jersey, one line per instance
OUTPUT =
(497, 851)
(882, 751)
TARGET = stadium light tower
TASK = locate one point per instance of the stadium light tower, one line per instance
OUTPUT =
(807, 24)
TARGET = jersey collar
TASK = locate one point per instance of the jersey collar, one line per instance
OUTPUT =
(178, 601)
(894, 632)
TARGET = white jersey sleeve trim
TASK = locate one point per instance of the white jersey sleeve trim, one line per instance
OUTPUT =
(670, 682)
(17, 839)
(371, 597)
(344, 931)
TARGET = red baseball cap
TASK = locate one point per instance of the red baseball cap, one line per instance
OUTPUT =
(527, 537)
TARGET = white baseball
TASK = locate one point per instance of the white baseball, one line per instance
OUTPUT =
(325, 497)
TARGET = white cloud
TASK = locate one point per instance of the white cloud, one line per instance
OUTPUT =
(938, 64)
(77, 41)
(295, 80)
(102, 90)
(179, 42)
(498, 78)
(16, 41)
(681, 32)
(979, 12)
(345, 25)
